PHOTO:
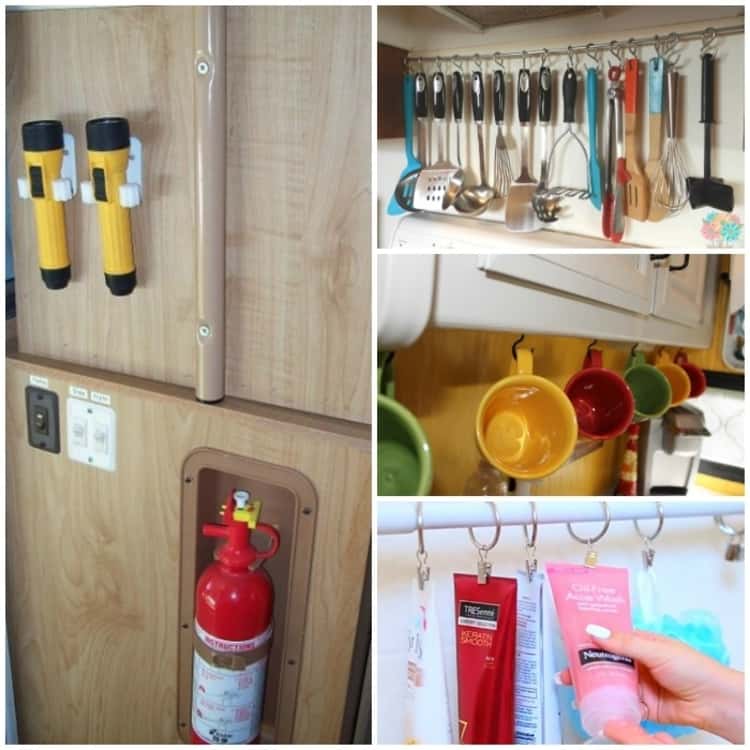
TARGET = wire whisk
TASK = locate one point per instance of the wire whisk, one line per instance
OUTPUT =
(503, 172)
(670, 188)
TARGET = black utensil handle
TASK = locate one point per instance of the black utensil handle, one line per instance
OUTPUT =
(707, 88)
(477, 96)
(420, 95)
(570, 87)
(524, 95)
(498, 95)
(438, 96)
(458, 96)
(545, 94)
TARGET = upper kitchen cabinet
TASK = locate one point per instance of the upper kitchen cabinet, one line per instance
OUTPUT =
(485, 90)
(297, 197)
(663, 299)
(681, 288)
(624, 281)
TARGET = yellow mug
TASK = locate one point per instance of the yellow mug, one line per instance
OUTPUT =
(678, 379)
(526, 426)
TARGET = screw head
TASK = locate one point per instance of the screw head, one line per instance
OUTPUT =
(202, 67)
(204, 330)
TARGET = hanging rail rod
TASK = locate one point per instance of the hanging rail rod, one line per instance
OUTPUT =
(401, 517)
(644, 41)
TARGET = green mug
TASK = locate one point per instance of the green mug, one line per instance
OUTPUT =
(651, 389)
(404, 456)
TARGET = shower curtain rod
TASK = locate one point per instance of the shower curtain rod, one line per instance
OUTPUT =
(645, 41)
(401, 517)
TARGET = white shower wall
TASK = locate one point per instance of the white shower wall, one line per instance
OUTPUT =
(690, 570)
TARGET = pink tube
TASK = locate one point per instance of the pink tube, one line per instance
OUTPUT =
(606, 684)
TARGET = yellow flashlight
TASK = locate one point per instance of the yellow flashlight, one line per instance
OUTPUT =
(43, 157)
(108, 144)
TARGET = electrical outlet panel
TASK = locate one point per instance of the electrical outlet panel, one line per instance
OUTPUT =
(43, 419)
(92, 434)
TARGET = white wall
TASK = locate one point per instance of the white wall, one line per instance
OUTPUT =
(424, 32)
(690, 570)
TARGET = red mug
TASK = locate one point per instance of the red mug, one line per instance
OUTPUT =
(697, 377)
(602, 400)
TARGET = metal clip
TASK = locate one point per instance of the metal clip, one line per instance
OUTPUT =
(649, 552)
(591, 557)
(423, 570)
(531, 561)
(484, 567)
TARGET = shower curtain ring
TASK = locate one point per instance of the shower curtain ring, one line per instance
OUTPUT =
(591, 555)
(649, 553)
(484, 568)
(647, 538)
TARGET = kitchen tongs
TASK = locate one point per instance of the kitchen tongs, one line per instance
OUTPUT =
(615, 175)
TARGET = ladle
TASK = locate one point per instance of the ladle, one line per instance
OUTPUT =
(474, 199)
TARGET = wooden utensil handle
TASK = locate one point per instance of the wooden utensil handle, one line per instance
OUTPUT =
(654, 136)
(631, 86)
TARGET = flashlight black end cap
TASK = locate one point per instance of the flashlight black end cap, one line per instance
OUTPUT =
(107, 134)
(56, 278)
(120, 284)
(42, 135)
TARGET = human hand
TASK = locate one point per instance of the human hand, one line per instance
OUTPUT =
(678, 685)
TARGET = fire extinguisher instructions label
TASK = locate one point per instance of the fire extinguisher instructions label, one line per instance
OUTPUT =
(219, 644)
(227, 704)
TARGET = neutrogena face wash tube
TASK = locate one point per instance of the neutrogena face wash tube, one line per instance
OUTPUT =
(606, 684)
(486, 654)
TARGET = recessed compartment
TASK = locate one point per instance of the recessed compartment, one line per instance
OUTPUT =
(289, 503)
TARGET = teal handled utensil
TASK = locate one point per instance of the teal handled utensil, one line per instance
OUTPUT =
(592, 107)
(412, 163)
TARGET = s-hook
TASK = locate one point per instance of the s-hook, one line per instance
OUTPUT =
(591, 557)
(484, 568)
(423, 570)
(515, 344)
(531, 561)
(649, 552)
(591, 346)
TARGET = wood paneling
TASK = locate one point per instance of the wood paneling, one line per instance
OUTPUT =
(390, 91)
(74, 65)
(444, 375)
(298, 187)
(442, 379)
(93, 558)
(711, 359)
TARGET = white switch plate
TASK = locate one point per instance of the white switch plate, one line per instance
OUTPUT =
(92, 434)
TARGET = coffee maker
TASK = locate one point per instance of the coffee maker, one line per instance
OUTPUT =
(669, 451)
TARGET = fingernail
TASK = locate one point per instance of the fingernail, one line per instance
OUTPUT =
(598, 631)
(558, 679)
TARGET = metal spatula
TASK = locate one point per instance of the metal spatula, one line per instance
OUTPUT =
(709, 191)
(438, 185)
(519, 212)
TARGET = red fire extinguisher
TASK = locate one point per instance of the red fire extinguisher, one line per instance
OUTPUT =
(233, 627)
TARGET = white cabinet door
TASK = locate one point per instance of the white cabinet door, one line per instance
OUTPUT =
(679, 294)
(624, 281)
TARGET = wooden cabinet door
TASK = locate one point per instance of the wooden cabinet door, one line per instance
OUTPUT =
(298, 197)
(94, 559)
(624, 281)
(680, 294)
